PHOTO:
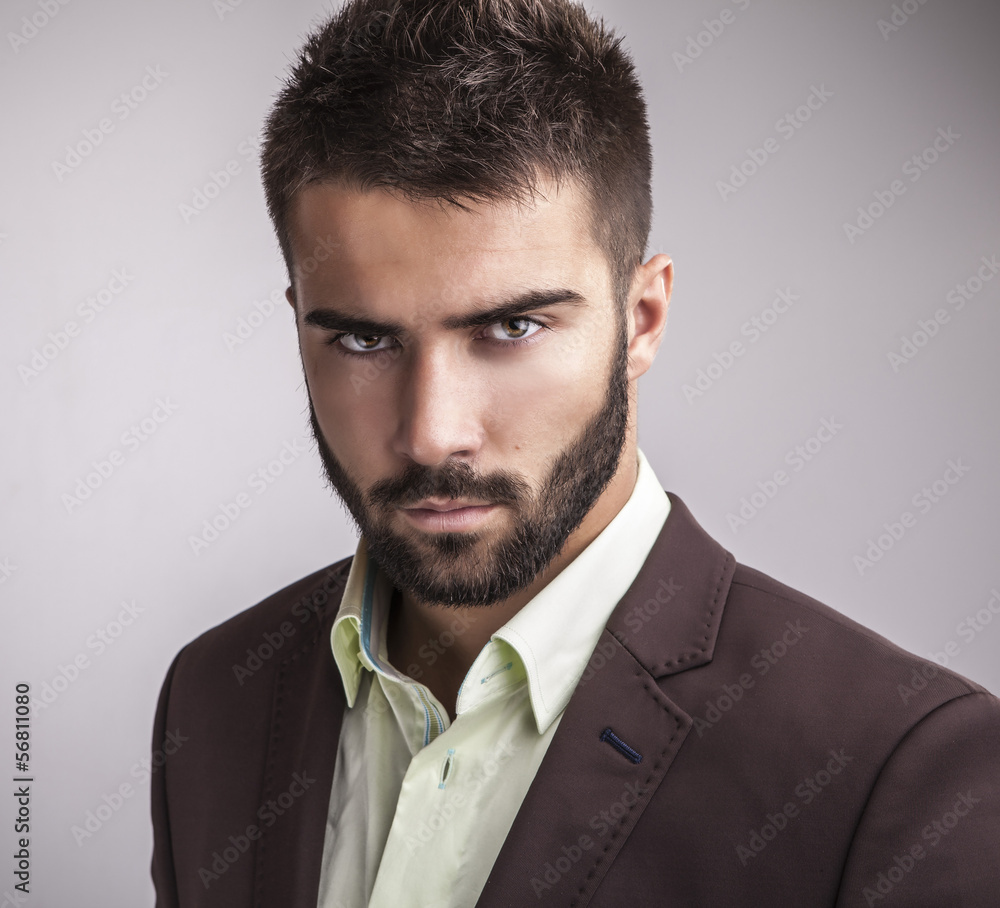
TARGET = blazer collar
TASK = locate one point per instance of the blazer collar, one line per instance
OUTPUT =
(589, 793)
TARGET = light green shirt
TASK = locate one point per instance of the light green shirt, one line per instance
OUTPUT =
(420, 805)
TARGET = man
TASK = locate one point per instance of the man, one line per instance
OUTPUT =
(537, 680)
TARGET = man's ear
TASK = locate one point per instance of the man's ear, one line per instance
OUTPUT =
(290, 296)
(647, 313)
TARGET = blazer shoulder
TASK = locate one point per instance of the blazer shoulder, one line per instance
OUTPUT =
(856, 649)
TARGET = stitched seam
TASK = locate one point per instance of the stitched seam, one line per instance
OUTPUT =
(269, 779)
(653, 772)
(319, 614)
(713, 608)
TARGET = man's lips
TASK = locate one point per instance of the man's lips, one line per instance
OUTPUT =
(448, 515)
(445, 504)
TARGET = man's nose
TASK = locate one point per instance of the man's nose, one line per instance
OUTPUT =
(440, 410)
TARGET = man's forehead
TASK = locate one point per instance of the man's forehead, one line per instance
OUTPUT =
(385, 224)
(390, 258)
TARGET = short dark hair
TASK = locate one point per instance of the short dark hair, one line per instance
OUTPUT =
(467, 100)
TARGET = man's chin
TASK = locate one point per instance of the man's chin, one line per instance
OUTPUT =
(400, 536)
(451, 569)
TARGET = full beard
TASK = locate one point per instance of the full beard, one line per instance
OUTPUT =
(483, 568)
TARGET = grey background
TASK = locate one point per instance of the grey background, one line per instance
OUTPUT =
(68, 569)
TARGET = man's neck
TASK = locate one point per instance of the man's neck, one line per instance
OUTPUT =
(437, 644)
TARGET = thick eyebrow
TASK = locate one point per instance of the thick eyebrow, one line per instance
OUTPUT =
(518, 305)
(333, 320)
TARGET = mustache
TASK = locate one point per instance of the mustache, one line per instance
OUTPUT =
(453, 480)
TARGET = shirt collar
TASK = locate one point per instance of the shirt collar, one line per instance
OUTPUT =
(358, 635)
(554, 634)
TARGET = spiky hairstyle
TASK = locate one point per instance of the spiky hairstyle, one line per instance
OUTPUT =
(467, 100)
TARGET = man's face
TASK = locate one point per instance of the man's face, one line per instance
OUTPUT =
(468, 380)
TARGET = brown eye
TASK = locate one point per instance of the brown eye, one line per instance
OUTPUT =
(516, 327)
(364, 343)
(512, 329)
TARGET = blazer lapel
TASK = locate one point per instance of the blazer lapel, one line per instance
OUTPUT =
(669, 619)
(306, 715)
(590, 791)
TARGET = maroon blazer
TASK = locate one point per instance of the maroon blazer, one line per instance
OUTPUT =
(732, 743)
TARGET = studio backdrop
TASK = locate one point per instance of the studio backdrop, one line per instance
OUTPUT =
(825, 399)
